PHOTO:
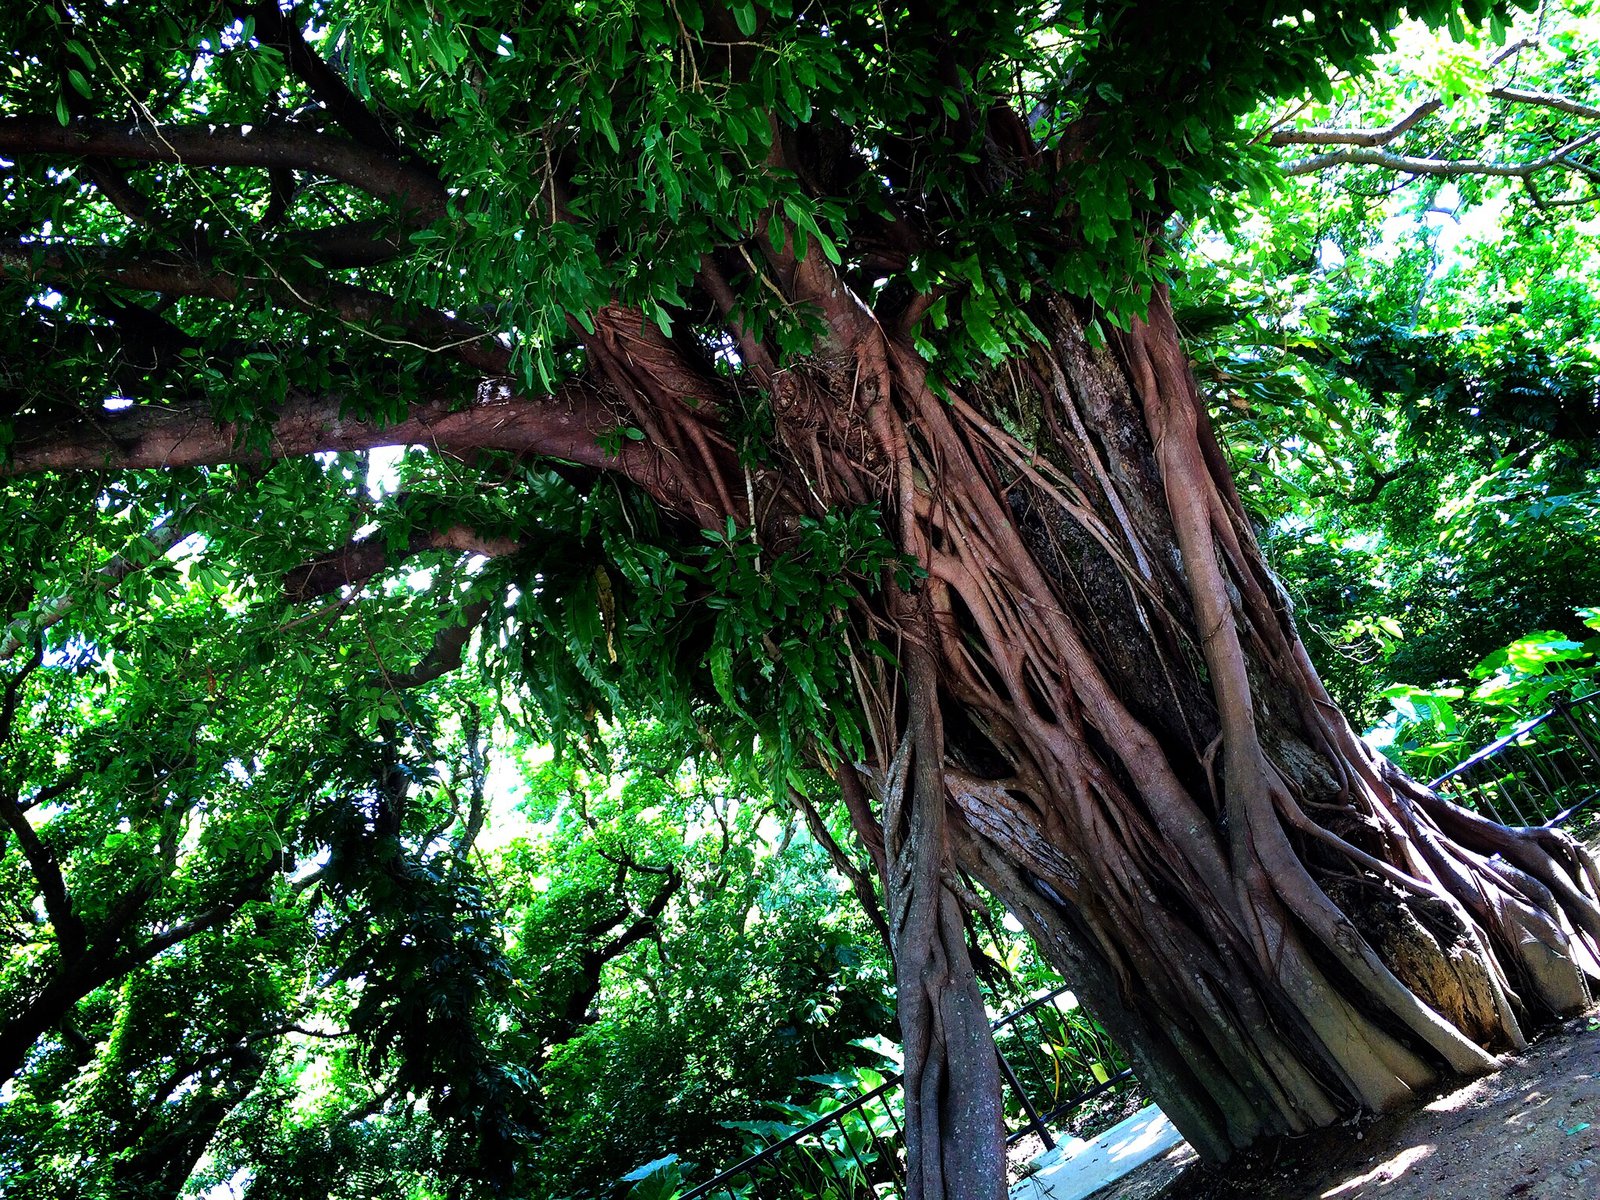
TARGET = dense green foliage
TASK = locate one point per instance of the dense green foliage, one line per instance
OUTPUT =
(374, 961)
(292, 888)
(1408, 371)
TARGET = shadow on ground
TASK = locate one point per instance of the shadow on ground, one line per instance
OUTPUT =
(1530, 1132)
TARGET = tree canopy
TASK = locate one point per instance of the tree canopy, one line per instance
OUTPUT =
(779, 411)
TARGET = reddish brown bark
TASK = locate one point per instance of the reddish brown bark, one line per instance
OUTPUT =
(568, 426)
(414, 188)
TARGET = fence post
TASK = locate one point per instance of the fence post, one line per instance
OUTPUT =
(1032, 1113)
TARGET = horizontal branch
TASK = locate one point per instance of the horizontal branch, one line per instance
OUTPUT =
(357, 562)
(1356, 137)
(1547, 100)
(568, 425)
(1373, 139)
(1446, 167)
(350, 244)
(412, 187)
(137, 954)
(66, 265)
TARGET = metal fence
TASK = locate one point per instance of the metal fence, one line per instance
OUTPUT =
(1054, 1060)
(1544, 772)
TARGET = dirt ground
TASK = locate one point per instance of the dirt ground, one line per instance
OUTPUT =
(1529, 1132)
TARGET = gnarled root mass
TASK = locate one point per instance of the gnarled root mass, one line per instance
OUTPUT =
(1140, 759)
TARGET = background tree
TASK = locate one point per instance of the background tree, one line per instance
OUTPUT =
(263, 934)
(1403, 362)
(684, 1005)
(810, 374)
(204, 872)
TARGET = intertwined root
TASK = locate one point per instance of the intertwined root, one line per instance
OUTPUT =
(1140, 759)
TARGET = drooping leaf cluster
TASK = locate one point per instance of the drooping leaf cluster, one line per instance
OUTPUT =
(575, 155)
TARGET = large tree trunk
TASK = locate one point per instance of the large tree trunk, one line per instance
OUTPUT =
(1140, 760)
(1102, 711)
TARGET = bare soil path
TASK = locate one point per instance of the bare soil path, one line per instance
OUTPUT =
(1529, 1132)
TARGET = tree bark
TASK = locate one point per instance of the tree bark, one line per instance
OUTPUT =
(1139, 759)
(1105, 715)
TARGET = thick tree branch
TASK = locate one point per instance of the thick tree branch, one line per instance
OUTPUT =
(447, 653)
(216, 915)
(274, 27)
(124, 197)
(71, 937)
(350, 244)
(567, 426)
(640, 368)
(578, 423)
(575, 1012)
(1365, 147)
(379, 174)
(1356, 137)
(13, 692)
(357, 562)
(1547, 100)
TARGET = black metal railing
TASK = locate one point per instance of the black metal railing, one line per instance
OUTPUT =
(853, 1152)
(1054, 1058)
(1544, 772)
